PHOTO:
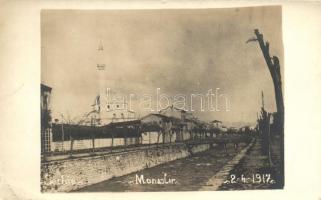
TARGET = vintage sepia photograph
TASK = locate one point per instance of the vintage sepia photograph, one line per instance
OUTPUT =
(162, 100)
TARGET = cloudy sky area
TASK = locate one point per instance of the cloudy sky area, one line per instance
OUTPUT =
(179, 51)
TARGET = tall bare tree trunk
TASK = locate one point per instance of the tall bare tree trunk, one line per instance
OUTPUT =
(274, 68)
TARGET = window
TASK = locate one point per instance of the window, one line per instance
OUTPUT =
(108, 106)
(117, 106)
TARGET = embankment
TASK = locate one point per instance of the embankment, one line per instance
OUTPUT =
(72, 174)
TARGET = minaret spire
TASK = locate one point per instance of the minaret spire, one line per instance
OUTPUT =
(100, 66)
(102, 87)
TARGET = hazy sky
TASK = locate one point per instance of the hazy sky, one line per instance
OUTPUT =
(178, 51)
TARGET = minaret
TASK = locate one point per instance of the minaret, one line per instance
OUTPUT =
(102, 87)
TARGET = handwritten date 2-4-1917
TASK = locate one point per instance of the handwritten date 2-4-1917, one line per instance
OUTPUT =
(254, 178)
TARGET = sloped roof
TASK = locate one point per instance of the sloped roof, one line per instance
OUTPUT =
(216, 121)
(164, 117)
(45, 87)
(172, 107)
(155, 114)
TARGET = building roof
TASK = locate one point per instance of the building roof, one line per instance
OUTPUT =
(172, 107)
(216, 121)
(164, 117)
(45, 87)
(155, 114)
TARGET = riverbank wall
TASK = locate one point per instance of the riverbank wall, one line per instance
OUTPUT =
(72, 174)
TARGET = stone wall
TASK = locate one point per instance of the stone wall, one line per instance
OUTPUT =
(72, 174)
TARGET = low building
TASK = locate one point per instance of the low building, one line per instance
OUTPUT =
(45, 95)
(155, 128)
(172, 111)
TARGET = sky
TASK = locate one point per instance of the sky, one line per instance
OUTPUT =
(183, 52)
